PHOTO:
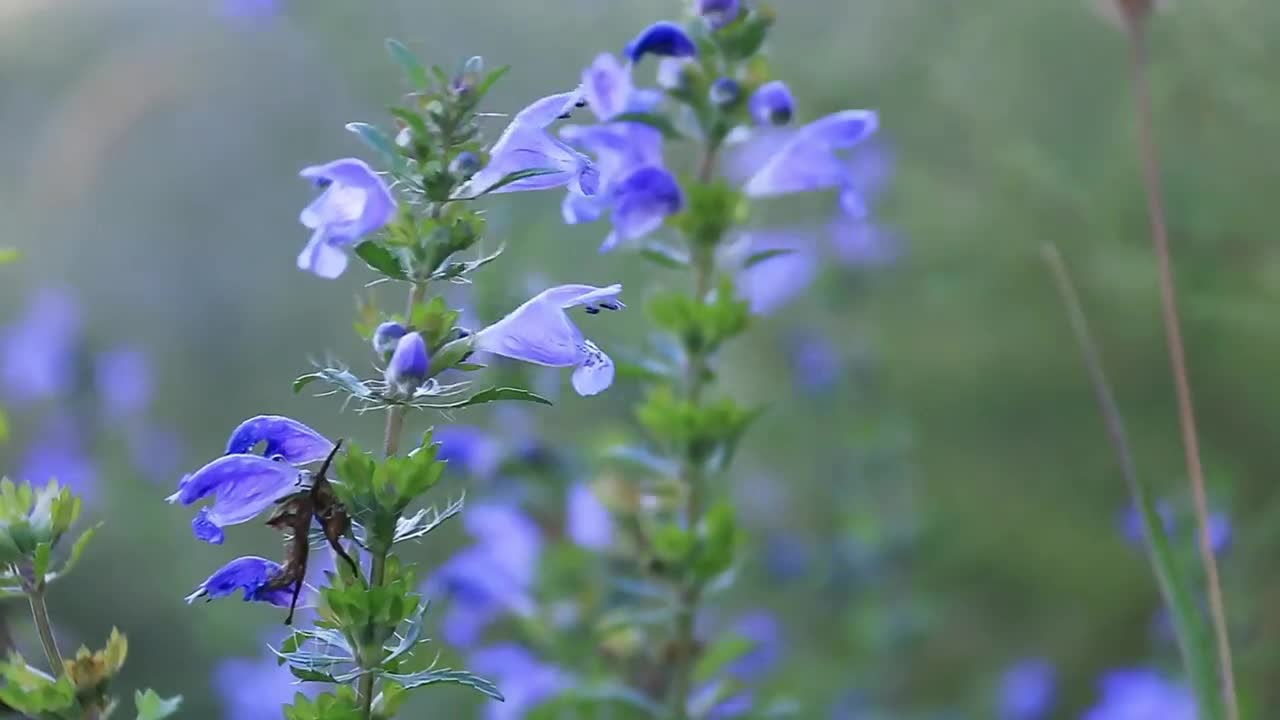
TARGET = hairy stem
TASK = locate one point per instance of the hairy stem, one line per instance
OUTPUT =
(1177, 358)
(40, 614)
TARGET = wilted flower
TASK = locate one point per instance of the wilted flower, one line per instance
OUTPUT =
(588, 522)
(719, 13)
(662, 38)
(282, 437)
(408, 366)
(525, 680)
(37, 353)
(810, 159)
(386, 337)
(1141, 694)
(249, 574)
(242, 486)
(1027, 691)
(355, 202)
(526, 145)
(540, 332)
(772, 104)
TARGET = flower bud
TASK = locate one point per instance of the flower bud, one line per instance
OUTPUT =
(673, 73)
(665, 39)
(725, 92)
(772, 104)
(469, 77)
(408, 367)
(404, 137)
(465, 165)
(386, 337)
(30, 518)
(718, 13)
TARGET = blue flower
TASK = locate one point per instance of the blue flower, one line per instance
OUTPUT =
(765, 632)
(810, 159)
(540, 332)
(1028, 691)
(719, 13)
(588, 521)
(816, 365)
(408, 366)
(249, 574)
(242, 486)
(724, 92)
(1220, 532)
(525, 680)
(283, 437)
(256, 689)
(59, 454)
(772, 104)
(773, 282)
(122, 378)
(355, 202)
(386, 337)
(1142, 694)
(526, 145)
(38, 352)
(469, 450)
(663, 38)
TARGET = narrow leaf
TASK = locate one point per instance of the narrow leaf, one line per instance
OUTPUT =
(151, 706)
(666, 257)
(509, 178)
(379, 143)
(381, 259)
(494, 395)
(757, 258)
(658, 122)
(408, 62)
(304, 380)
(77, 549)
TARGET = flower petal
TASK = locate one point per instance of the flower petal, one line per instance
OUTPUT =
(663, 38)
(808, 160)
(205, 530)
(321, 258)
(595, 373)
(243, 486)
(607, 87)
(588, 521)
(249, 574)
(644, 199)
(537, 332)
(295, 442)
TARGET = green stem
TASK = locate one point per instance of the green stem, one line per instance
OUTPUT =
(390, 446)
(40, 614)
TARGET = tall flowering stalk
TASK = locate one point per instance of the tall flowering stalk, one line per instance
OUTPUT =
(414, 225)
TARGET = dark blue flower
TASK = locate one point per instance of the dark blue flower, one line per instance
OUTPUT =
(588, 522)
(282, 437)
(248, 574)
(663, 38)
(772, 104)
(37, 353)
(811, 158)
(526, 145)
(719, 13)
(386, 336)
(1142, 694)
(725, 91)
(408, 366)
(642, 201)
(1028, 691)
(355, 202)
(256, 689)
(540, 332)
(242, 487)
(525, 680)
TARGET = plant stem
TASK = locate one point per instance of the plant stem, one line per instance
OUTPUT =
(40, 614)
(1177, 358)
(390, 446)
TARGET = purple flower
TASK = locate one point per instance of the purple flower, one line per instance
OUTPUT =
(355, 202)
(407, 369)
(775, 281)
(386, 337)
(540, 332)
(709, 701)
(1220, 533)
(863, 242)
(59, 454)
(123, 380)
(1141, 694)
(469, 449)
(249, 574)
(589, 523)
(525, 680)
(663, 38)
(1131, 522)
(764, 631)
(285, 438)
(242, 485)
(37, 353)
(1028, 691)
(810, 159)
(725, 91)
(816, 365)
(719, 13)
(772, 104)
(526, 145)
(786, 557)
(255, 689)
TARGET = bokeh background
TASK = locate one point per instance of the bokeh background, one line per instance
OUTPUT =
(930, 496)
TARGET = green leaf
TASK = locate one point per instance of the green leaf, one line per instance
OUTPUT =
(379, 143)
(408, 62)
(40, 563)
(495, 395)
(8, 255)
(744, 39)
(514, 177)
(382, 259)
(494, 76)
(658, 122)
(304, 380)
(666, 257)
(4, 427)
(726, 649)
(153, 707)
(453, 677)
(757, 258)
(77, 549)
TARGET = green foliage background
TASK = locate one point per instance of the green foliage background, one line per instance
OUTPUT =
(150, 153)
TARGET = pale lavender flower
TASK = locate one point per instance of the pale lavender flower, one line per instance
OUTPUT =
(772, 104)
(243, 486)
(527, 145)
(1142, 694)
(256, 688)
(813, 158)
(773, 282)
(407, 369)
(254, 10)
(718, 13)
(863, 243)
(58, 453)
(38, 352)
(386, 336)
(355, 202)
(525, 680)
(816, 364)
(1028, 691)
(284, 437)
(123, 380)
(664, 39)
(588, 521)
(540, 332)
(249, 575)
(1220, 532)
(469, 449)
